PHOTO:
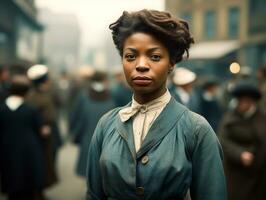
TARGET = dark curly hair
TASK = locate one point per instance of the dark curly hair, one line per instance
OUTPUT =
(172, 32)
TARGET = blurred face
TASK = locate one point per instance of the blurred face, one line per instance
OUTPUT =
(244, 104)
(146, 65)
(46, 86)
(5, 75)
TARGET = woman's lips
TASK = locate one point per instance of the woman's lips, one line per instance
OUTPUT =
(142, 81)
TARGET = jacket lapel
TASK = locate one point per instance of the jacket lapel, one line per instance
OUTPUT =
(125, 129)
(162, 125)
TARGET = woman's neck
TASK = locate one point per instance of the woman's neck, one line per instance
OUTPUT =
(146, 98)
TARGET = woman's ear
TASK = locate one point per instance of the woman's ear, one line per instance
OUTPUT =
(171, 67)
(170, 70)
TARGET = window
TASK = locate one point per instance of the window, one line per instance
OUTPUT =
(209, 24)
(187, 17)
(233, 22)
(257, 5)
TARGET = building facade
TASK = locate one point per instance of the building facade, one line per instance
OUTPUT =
(61, 47)
(225, 31)
(20, 33)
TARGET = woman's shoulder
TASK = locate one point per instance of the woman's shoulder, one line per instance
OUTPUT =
(196, 128)
(193, 120)
(106, 124)
(187, 120)
(109, 118)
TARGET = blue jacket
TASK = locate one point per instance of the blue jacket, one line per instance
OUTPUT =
(180, 152)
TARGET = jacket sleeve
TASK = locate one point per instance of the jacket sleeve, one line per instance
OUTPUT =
(37, 121)
(208, 180)
(231, 149)
(94, 177)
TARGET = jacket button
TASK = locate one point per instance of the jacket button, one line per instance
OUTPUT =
(145, 160)
(140, 191)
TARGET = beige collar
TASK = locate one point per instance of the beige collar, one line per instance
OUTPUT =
(128, 112)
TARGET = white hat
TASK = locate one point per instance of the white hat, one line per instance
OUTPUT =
(183, 76)
(36, 72)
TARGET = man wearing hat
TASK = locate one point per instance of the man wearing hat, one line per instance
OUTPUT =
(183, 92)
(243, 137)
(40, 96)
(210, 105)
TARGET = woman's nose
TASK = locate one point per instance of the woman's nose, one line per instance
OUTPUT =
(142, 65)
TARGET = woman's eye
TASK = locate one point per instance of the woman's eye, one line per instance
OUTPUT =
(130, 57)
(156, 57)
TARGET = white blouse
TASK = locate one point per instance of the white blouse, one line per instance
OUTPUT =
(143, 116)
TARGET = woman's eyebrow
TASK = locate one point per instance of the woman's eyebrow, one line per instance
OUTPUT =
(153, 49)
(131, 49)
(149, 50)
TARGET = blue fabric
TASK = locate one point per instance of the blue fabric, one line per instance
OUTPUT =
(183, 151)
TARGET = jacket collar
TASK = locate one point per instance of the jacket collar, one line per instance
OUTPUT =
(160, 128)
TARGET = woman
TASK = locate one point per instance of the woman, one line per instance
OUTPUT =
(243, 137)
(153, 148)
(21, 158)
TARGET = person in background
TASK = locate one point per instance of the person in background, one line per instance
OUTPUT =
(62, 88)
(121, 92)
(41, 97)
(21, 157)
(261, 77)
(79, 83)
(97, 101)
(184, 92)
(210, 107)
(154, 147)
(4, 82)
(243, 137)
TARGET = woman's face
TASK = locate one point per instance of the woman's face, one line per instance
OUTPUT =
(146, 65)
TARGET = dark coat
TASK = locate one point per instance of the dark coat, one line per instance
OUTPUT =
(121, 95)
(22, 163)
(180, 152)
(91, 111)
(262, 102)
(4, 90)
(43, 101)
(237, 135)
(212, 111)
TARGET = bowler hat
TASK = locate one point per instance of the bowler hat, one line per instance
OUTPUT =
(246, 89)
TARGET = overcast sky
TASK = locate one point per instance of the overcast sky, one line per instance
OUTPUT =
(95, 15)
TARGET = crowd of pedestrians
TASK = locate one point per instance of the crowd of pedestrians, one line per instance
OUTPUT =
(32, 103)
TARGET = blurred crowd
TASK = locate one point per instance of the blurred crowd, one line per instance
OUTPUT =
(33, 103)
